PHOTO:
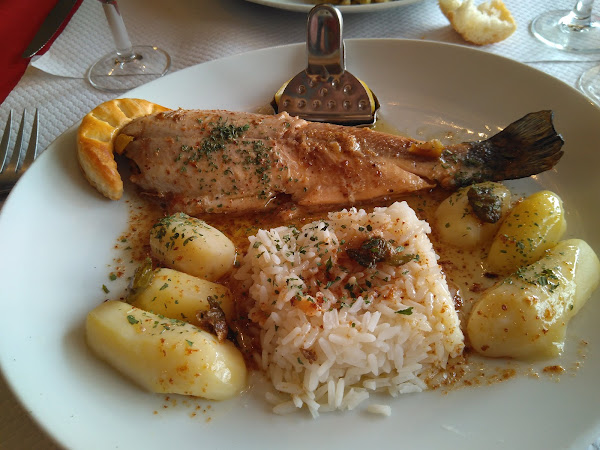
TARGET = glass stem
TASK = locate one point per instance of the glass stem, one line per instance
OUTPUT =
(118, 30)
(580, 17)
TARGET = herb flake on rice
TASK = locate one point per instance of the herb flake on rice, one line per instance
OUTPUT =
(335, 328)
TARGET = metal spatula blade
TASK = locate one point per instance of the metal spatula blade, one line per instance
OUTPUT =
(325, 91)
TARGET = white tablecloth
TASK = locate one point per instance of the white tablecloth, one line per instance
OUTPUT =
(196, 31)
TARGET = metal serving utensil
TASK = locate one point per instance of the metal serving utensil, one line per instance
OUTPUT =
(325, 91)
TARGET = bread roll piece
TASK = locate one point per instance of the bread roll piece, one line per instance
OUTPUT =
(487, 23)
(96, 141)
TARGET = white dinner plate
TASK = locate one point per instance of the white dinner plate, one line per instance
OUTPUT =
(57, 239)
(306, 6)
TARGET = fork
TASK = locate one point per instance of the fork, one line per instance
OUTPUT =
(11, 170)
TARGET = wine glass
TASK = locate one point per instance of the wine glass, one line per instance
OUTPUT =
(589, 84)
(128, 66)
(577, 30)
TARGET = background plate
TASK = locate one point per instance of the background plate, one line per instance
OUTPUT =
(57, 236)
(305, 6)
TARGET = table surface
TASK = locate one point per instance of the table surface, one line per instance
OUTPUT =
(194, 32)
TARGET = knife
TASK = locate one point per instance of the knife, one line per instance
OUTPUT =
(51, 25)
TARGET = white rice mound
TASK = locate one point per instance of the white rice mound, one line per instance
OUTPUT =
(333, 331)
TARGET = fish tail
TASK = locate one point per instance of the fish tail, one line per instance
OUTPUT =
(526, 147)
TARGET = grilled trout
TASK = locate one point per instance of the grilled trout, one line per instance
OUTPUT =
(235, 162)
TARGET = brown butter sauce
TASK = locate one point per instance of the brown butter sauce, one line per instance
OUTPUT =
(463, 269)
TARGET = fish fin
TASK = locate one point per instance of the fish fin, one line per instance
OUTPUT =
(526, 147)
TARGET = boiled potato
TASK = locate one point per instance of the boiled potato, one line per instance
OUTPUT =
(192, 246)
(533, 226)
(526, 315)
(458, 224)
(165, 355)
(178, 295)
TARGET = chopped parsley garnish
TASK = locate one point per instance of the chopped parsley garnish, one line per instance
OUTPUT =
(405, 312)
(328, 265)
(132, 320)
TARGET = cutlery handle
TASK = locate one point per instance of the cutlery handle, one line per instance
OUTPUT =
(324, 41)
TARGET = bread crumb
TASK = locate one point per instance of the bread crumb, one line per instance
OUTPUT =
(485, 24)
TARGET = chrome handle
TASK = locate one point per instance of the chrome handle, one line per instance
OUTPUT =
(324, 42)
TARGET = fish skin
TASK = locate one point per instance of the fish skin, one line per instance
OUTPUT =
(216, 161)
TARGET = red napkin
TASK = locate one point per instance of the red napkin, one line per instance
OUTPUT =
(19, 22)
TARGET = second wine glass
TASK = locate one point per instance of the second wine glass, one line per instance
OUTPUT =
(577, 30)
(128, 66)
(589, 84)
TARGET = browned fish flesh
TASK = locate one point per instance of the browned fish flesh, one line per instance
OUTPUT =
(199, 161)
